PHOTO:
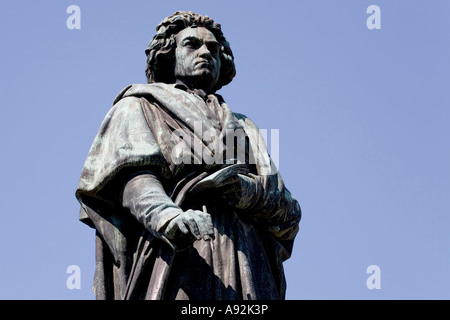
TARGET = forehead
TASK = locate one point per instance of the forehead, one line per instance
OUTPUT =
(200, 33)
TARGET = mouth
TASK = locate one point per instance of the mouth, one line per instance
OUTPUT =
(203, 63)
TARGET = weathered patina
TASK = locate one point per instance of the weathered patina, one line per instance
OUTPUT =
(181, 191)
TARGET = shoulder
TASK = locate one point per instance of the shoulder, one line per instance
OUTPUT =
(146, 90)
(245, 121)
(125, 106)
(131, 96)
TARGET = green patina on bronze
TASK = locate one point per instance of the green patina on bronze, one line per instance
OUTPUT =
(169, 224)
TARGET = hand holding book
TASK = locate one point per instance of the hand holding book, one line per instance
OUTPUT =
(233, 183)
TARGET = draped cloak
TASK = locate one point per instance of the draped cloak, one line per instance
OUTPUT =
(134, 261)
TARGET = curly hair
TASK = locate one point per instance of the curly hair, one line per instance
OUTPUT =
(161, 49)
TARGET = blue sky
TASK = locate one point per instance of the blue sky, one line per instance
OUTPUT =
(362, 115)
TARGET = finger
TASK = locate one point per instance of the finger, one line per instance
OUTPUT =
(231, 194)
(206, 226)
(171, 229)
(192, 225)
(227, 192)
(202, 224)
(229, 181)
(209, 225)
(182, 226)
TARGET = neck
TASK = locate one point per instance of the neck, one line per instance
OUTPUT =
(191, 85)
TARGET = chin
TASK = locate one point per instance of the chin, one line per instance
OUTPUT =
(206, 80)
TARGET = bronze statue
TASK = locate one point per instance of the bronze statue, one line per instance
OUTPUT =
(181, 191)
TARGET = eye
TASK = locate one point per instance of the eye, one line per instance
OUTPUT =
(193, 44)
(214, 47)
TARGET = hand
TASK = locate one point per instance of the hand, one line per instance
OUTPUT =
(231, 190)
(192, 224)
(239, 191)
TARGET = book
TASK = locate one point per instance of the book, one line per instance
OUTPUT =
(218, 178)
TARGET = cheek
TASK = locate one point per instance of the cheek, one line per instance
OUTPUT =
(182, 62)
(218, 65)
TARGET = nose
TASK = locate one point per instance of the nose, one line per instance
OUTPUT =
(204, 52)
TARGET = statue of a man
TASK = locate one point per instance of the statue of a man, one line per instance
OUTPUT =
(181, 191)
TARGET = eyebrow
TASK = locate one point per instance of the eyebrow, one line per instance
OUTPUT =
(193, 38)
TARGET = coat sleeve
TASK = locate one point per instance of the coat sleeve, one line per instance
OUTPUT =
(145, 198)
(272, 206)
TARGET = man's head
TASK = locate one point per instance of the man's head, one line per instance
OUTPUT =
(190, 48)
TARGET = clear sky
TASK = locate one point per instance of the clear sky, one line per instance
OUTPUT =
(363, 118)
